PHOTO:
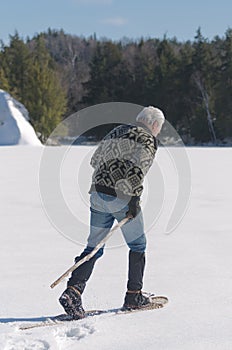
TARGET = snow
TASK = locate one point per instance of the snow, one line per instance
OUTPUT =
(15, 128)
(192, 265)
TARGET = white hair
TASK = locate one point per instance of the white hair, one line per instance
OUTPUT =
(151, 114)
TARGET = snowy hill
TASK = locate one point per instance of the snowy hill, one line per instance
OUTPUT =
(192, 265)
(15, 128)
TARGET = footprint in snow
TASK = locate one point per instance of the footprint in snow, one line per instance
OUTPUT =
(16, 343)
(73, 333)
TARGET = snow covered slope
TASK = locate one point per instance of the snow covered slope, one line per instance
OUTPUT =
(15, 128)
(192, 266)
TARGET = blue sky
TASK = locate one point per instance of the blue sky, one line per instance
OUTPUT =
(116, 18)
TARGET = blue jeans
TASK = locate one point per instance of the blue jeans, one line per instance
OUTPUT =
(104, 210)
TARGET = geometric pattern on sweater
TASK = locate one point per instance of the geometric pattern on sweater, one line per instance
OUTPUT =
(123, 158)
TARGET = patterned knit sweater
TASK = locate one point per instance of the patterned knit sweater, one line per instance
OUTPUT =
(122, 159)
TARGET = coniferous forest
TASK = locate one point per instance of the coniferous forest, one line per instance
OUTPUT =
(55, 74)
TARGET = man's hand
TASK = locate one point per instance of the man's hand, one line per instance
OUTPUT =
(134, 207)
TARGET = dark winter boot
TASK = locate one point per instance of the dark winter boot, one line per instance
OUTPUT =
(71, 302)
(135, 300)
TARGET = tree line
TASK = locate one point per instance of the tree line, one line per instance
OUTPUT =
(55, 74)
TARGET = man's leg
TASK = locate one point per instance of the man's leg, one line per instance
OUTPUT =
(134, 298)
(134, 235)
(100, 224)
(81, 275)
(136, 270)
(135, 229)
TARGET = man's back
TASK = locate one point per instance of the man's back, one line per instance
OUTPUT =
(122, 159)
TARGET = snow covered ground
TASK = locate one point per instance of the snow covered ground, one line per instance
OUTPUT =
(192, 265)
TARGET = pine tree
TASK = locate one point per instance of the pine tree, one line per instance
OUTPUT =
(185, 93)
(223, 104)
(139, 63)
(105, 83)
(46, 99)
(4, 85)
(163, 83)
(16, 64)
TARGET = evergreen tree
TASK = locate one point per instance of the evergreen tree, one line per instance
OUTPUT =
(46, 99)
(4, 85)
(105, 84)
(163, 84)
(223, 104)
(184, 92)
(16, 64)
(139, 62)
